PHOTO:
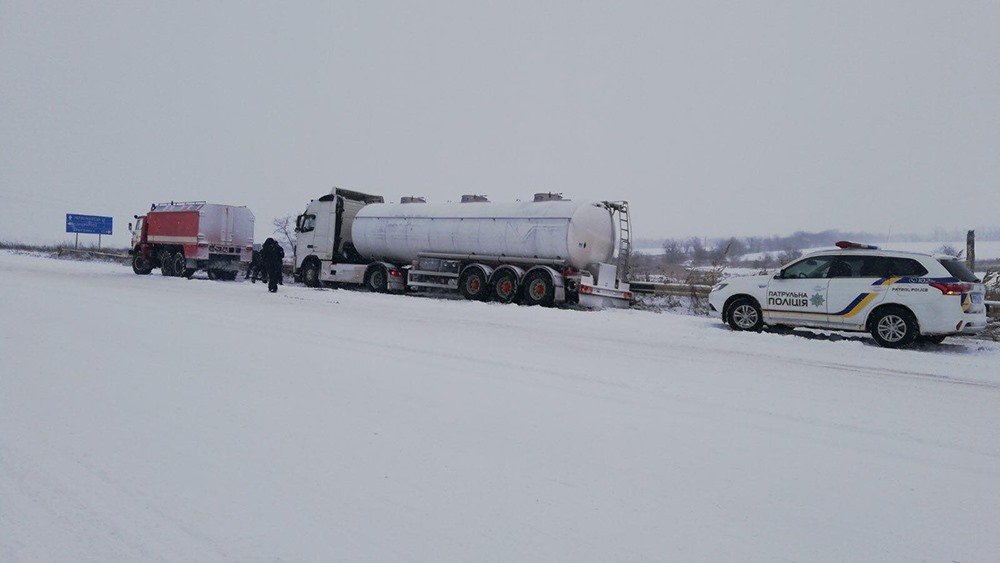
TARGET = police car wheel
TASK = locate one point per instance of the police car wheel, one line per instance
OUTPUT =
(893, 327)
(745, 314)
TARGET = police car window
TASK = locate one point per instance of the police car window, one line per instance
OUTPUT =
(809, 268)
(846, 267)
(958, 270)
(907, 267)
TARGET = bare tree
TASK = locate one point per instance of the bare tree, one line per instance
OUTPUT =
(284, 227)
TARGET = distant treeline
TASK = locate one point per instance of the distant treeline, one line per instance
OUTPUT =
(779, 249)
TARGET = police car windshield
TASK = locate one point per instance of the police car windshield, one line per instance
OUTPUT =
(809, 268)
(959, 270)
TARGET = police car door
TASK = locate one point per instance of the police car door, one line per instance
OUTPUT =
(857, 284)
(797, 295)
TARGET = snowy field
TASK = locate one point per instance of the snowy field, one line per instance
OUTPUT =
(149, 417)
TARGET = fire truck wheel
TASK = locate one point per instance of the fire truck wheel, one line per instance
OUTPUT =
(227, 275)
(166, 266)
(178, 264)
(141, 266)
(213, 275)
(538, 289)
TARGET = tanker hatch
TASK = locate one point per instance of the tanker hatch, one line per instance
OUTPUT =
(412, 199)
(474, 198)
(548, 196)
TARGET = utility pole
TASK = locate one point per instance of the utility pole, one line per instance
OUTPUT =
(970, 250)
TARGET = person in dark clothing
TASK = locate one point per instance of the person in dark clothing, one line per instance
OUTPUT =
(272, 257)
(255, 271)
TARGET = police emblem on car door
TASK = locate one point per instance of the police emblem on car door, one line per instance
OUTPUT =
(798, 294)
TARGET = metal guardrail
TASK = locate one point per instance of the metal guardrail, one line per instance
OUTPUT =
(93, 253)
(674, 289)
(993, 309)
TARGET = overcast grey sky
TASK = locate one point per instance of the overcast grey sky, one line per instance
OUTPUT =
(711, 118)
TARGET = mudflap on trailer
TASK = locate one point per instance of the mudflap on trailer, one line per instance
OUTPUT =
(607, 292)
(593, 297)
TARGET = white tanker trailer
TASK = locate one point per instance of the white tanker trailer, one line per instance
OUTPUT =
(541, 252)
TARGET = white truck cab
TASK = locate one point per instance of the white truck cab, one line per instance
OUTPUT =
(324, 251)
(898, 297)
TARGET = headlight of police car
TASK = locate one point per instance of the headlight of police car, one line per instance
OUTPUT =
(719, 286)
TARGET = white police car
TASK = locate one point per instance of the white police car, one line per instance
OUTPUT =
(899, 297)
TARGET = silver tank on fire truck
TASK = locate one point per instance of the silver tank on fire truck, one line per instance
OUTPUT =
(581, 233)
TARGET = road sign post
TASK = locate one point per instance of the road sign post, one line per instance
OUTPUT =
(88, 224)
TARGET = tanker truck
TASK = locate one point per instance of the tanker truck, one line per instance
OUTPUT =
(545, 251)
(181, 238)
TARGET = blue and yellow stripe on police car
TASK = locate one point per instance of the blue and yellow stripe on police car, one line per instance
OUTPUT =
(887, 281)
(856, 306)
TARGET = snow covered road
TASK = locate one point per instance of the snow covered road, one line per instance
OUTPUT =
(151, 417)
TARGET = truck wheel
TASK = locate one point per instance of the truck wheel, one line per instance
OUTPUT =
(473, 285)
(141, 266)
(893, 327)
(505, 286)
(178, 264)
(745, 314)
(213, 274)
(377, 280)
(310, 274)
(538, 289)
(189, 272)
(166, 265)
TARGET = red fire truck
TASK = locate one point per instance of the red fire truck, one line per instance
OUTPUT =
(181, 238)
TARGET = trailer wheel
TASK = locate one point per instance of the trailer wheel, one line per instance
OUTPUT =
(377, 280)
(178, 264)
(140, 265)
(538, 289)
(505, 286)
(473, 285)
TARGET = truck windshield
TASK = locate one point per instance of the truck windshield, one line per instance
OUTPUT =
(306, 223)
(959, 270)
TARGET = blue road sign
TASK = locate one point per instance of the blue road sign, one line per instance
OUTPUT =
(89, 224)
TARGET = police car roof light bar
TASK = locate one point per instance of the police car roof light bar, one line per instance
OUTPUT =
(846, 244)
